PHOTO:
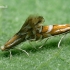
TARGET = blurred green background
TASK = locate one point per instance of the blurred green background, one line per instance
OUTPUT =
(48, 57)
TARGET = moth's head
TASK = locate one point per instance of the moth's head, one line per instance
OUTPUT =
(39, 19)
(34, 20)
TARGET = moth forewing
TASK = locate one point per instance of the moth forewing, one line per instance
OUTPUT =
(15, 40)
(56, 30)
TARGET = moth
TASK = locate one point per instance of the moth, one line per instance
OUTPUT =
(27, 32)
(33, 29)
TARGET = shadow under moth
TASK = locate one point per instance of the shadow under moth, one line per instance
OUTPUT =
(33, 29)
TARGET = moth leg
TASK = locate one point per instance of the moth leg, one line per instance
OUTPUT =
(35, 40)
(60, 41)
(32, 44)
(23, 51)
(44, 43)
(10, 54)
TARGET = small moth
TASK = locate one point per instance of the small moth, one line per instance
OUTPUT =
(27, 32)
(33, 29)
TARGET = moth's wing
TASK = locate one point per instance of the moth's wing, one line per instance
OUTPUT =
(27, 21)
